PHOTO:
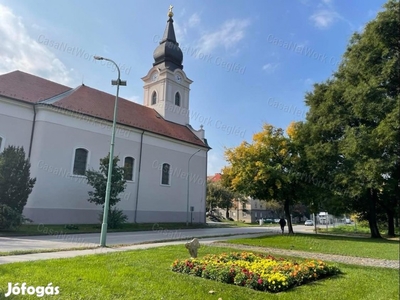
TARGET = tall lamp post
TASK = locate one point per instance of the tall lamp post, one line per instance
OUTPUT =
(187, 189)
(117, 82)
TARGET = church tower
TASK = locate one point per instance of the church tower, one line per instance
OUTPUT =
(166, 86)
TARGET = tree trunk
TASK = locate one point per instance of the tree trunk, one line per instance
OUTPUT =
(227, 213)
(288, 218)
(372, 214)
(390, 215)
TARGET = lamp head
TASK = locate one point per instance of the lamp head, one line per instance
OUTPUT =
(98, 57)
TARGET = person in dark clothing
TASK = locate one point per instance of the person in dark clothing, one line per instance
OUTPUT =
(282, 222)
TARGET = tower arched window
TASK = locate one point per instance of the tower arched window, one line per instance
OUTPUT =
(177, 99)
(154, 98)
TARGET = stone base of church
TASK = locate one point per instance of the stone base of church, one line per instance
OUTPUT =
(87, 216)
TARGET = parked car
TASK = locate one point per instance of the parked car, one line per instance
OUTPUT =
(309, 223)
(348, 221)
(268, 221)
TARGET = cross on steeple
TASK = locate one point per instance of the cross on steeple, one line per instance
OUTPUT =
(170, 13)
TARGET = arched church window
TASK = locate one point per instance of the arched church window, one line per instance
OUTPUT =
(177, 99)
(128, 168)
(154, 98)
(165, 174)
(80, 161)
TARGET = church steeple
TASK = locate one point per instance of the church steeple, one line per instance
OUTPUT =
(166, 86)
(168, 54)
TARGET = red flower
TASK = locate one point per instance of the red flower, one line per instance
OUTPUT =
(259, 281)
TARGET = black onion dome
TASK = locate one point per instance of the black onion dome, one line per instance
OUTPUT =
(168, 51)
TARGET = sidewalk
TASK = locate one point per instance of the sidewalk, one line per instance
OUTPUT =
(351, 260)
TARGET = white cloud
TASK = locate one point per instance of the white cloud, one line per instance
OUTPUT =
(308, 81)
(19, 51)
(324, 18)
(180, 32)
(194, 20)
(305, 2)
(270, 67)
(227, 36)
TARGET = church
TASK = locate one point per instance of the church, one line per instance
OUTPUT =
(66, 131)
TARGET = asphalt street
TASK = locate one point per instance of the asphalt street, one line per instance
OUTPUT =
(61, 240)
(58, 240)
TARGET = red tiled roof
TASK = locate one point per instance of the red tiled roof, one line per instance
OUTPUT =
(27, 87)
(215, 178)
(99, 104)
(92, 102)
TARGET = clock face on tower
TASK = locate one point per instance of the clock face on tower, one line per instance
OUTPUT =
(154, 77)
(178, 77)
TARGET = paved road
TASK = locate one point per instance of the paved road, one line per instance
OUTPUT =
(63, 241)
(73, 253)
(57, 240)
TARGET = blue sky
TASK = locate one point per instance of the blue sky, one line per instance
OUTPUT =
(251, 61)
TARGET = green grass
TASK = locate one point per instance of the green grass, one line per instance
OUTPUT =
(145, 274)
(349, 246)
(42, 229)
(351, 229)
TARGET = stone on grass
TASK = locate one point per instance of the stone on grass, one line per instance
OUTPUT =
(192, 246)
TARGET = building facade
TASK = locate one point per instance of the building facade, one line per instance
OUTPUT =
(249, 211)
(66, 131)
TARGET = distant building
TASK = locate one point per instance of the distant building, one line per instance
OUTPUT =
(249, 211)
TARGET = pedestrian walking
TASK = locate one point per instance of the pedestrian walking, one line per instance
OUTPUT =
(282, 222)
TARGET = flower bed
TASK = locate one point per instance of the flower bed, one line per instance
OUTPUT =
(255, 271)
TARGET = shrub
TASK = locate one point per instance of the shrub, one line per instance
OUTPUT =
(15, 186)
(10, 218)
(71, 227)
(115, 219)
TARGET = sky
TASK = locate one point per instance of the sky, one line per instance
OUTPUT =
(251, 62)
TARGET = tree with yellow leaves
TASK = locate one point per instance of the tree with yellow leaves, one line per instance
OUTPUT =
(268, 168)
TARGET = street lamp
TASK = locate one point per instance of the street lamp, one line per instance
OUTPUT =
(187, 189)
(117, 82)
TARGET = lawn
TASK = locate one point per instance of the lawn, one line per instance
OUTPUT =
(351, 229)
(350, 246)
(146, 274)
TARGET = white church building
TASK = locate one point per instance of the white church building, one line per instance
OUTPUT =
(66, 131)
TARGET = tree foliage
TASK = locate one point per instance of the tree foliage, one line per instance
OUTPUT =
(268, 168)
(352, 129)
(15, 186)
(98, 180)
(219, 196)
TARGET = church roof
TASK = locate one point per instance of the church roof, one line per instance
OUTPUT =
(29, 88)
(89, 101)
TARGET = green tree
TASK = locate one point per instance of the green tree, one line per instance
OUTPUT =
(15, 186)
(219, 196)
(98, 180)
(268, 168)
(353, 122)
